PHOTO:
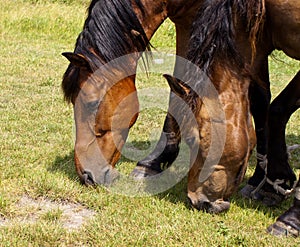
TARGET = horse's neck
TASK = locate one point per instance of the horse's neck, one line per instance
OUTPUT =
(152, 15)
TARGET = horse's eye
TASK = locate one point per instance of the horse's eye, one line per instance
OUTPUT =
(100, 133)
(92, 106)
(190, 141)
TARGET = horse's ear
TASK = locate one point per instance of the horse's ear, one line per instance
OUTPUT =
(178, 87)
(77, 59)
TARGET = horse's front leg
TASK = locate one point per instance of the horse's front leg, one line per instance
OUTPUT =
(280, 176)
(167, 148)
(165, 152)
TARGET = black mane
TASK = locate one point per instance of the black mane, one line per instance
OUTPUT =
(109, 30)
(112, 30)
(213, 31)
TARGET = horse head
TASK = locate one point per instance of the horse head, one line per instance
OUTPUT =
(221, 140)
(105, 107)
(100, 82)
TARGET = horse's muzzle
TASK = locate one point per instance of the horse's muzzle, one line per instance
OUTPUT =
(215, 207)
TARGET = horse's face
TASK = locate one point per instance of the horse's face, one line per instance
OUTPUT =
(220, 146)
(104, 111)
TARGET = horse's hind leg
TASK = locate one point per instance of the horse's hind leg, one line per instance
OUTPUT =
(288, 224)
(280, 176)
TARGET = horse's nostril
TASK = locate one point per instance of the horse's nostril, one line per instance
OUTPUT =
(205, 206)
(211, 207)
(87, 178)
(201, 205)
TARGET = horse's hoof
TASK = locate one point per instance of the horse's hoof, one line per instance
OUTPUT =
(140, 172)
(268, 198)
(281, 229)
(247, 192)
(271, 199)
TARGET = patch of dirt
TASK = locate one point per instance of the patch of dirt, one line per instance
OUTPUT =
(73, 215)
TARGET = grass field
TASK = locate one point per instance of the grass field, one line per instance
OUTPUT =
(40, 192)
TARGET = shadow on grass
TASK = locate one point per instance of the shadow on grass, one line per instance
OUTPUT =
(178, 193)
(245, 203)
(256, 205)
(64, 165)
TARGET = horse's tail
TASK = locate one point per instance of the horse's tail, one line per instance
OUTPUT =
(213, 31)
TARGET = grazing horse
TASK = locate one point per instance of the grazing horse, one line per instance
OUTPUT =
(236, 64)
(267, 35)
(101, 76)
(221, 58)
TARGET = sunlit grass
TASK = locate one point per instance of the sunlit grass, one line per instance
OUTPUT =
(36, 148)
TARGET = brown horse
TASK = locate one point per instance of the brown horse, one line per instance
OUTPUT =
(236, 64)
(212, 48)
(100, 76)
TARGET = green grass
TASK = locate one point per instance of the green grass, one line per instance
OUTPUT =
(36, 149)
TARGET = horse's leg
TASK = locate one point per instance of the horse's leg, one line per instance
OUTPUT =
(167, 148)
(280, 176)
(260, 96)
(288, 224)
(164, 153)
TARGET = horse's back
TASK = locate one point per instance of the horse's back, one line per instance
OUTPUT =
(283, 21)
